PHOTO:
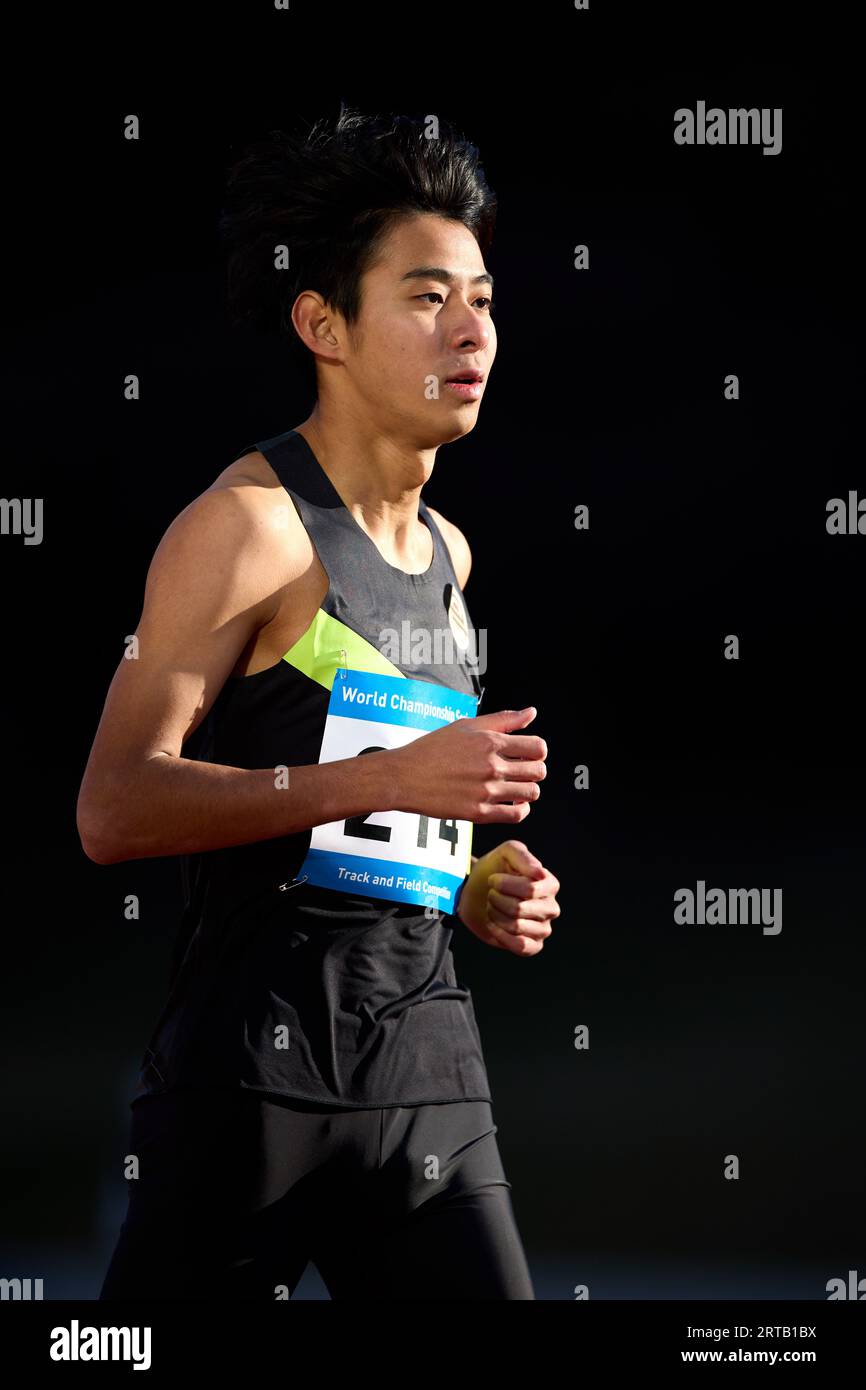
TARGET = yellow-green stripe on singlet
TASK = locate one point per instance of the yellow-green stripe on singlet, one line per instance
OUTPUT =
(318, 653)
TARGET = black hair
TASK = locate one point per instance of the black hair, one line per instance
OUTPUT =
(331, 194)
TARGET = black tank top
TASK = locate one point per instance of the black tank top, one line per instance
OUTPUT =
(280, 986)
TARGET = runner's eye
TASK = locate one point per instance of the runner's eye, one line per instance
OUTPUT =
(491, 303)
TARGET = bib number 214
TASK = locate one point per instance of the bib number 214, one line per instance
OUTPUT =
(359, 826)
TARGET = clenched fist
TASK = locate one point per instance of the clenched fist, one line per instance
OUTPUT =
(509, 899)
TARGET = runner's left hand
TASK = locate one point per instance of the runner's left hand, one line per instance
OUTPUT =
(509, 899)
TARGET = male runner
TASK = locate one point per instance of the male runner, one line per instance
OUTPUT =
(315, 1088)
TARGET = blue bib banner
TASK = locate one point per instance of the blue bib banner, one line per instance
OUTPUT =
(400, 855)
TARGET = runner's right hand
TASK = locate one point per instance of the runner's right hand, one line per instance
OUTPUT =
(474, 769)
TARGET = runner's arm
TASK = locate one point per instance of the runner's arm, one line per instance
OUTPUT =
(209, 588)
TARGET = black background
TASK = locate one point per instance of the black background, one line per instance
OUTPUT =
(707, 518)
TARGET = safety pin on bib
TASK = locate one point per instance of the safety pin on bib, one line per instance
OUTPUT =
(294, 883)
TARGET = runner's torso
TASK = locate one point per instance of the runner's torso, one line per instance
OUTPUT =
(278, 985)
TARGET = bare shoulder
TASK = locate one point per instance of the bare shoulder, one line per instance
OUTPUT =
(240, 506)
(251, 488)
(242, 533)
(251, 470)
(458, 546)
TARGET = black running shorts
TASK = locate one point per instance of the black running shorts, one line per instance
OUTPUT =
(236, 1193)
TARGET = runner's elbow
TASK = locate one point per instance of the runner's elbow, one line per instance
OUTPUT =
(99, 846)
(101, 831)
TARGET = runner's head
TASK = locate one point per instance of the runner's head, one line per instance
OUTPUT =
(362, 242)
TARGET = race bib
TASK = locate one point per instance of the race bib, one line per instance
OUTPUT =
(400, 855)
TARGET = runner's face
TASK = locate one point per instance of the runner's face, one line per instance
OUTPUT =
(416, 330)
